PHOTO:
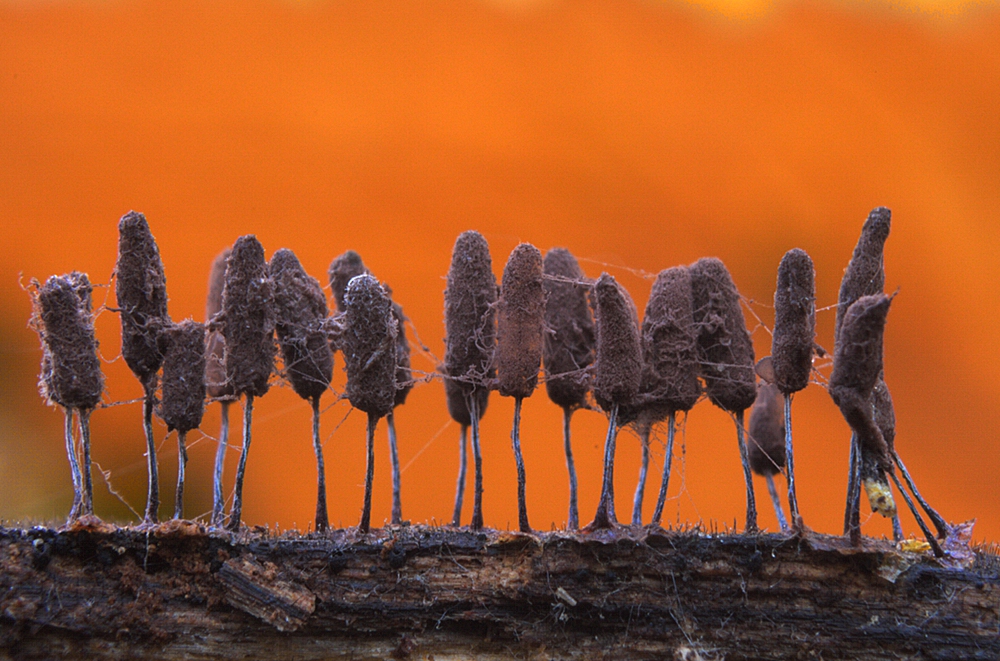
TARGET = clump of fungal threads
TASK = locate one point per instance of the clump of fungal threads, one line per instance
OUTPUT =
(342, 269)
(369, 347)
(216, 383)
(247, 323)
(618, 371)
(470, 340)
(567, 349)
(792, 345)
(669, 374)
(182, 401)
(141, 290)
(725, 353)
(520, 325)
(71, 369)
(300, 314)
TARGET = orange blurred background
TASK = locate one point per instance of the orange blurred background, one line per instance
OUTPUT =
(638, 134)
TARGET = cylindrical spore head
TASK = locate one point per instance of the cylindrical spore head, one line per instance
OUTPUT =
(865, 273)
(342, 269)
(670, 346)
(183, 386)
(404, 377)
(857, 367)
(794, 321)
(216, 384)
(470, 313)
(299, 313)
(766, 445)
(885, 413)
(71, 370)
(857, 361)
(618, 367)
(141, 290)
(570, 343)
(520, 322)
(369, 346)
(725, 349)
(248, 319)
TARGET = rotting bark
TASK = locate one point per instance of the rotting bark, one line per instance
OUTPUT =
(177, 591)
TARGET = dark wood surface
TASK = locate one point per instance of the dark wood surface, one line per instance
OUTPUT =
(180, 592)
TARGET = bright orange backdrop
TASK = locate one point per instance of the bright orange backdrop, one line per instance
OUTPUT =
(638, 134)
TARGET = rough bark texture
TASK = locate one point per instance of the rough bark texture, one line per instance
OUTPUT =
(418, 592)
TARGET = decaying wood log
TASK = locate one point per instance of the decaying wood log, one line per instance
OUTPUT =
(418, 592)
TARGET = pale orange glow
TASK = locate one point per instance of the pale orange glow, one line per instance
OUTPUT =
(639, 135)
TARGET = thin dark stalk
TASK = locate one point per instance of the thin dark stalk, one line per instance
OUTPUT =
(916, 515)
(776, 501)
(605, 516)
(942, 526)
(397, 506)
(851, 509)
(88, 483)
(218, 500)
(574, 512)
(237, 512)
(366, 512)
(477, 457)
(793, 501)
(661, 499)
(74, 467)
(640, 488)
(456, 519)
(751, 524)
(153, 497)
(322, 519)
(182, 459)
(515, 436)
(897, 528)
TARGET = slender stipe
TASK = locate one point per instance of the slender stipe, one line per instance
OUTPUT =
(897, 529)
(88, 484)
(153, 496)
(751, 524)
(74, 467)
(793, 501)
(605, 516)
(456, 519)
(942, 526)
(477, 457)
(776, 501)
(366, 512)
(574, 512)
(640, 488)
(851, 511)
(322, 518)
(661, 499)
(397, 505)
(938, 552)
(515, 435)
(218, 500)
(237, 512)
(182, 458)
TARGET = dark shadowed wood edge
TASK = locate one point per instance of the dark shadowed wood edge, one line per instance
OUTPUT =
(178, 591)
